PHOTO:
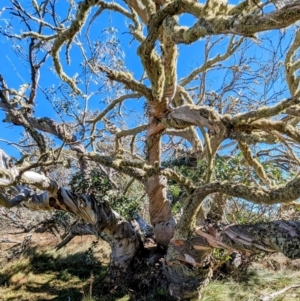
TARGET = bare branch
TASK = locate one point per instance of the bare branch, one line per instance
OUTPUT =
(254, 137)
(263, 112)
(280, 126)
(231, 48)
(292, 66)
(127, 79)
(246, 25)
(111, 106)
(125, 240)
(258, 195)
(191, 135)
(280, 292)
(133, 131)
(18, 116)
(244, 147)
(140, 9)
(68, 35)
(188, 115)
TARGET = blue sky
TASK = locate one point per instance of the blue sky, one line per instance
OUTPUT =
(16, 73)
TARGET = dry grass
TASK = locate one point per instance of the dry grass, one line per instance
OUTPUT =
(260, 281)
(41, 273)
(71, 274)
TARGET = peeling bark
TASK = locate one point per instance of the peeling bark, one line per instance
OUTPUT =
(187, 269)
(188, 263)
(188, 115)
(125, 240)
(156, 189)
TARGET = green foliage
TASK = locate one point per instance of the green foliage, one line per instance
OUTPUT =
(62, 218)
(193, 172)
(126, 206)
(226, 168)
(98, 184)
(221, 254)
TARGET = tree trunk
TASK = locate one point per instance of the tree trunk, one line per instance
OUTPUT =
(125, 240)
(156, 188)
(188, 262)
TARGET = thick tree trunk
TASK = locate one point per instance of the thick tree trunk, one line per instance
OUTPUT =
(188, 263)
(125, 240)
(156, 189)
(187, 269)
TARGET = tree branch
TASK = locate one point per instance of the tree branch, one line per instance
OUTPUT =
(231, 48)
(280, 126)
(258, 195)
(191, 135)
(245, 25)
(244, 147)
(139, 9)
(292, 66)
(263, 112)
(125, 240)
(187, 115)
(127, 79)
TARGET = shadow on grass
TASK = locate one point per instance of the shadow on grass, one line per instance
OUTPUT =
(40, 275)
(46, 275)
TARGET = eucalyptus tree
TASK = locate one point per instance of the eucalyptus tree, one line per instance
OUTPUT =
(239, 95)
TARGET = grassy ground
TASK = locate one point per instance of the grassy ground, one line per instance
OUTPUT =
(73, 274)
(41, 273)
(258, 283)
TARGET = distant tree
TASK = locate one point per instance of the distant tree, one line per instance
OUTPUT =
(232, 113)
